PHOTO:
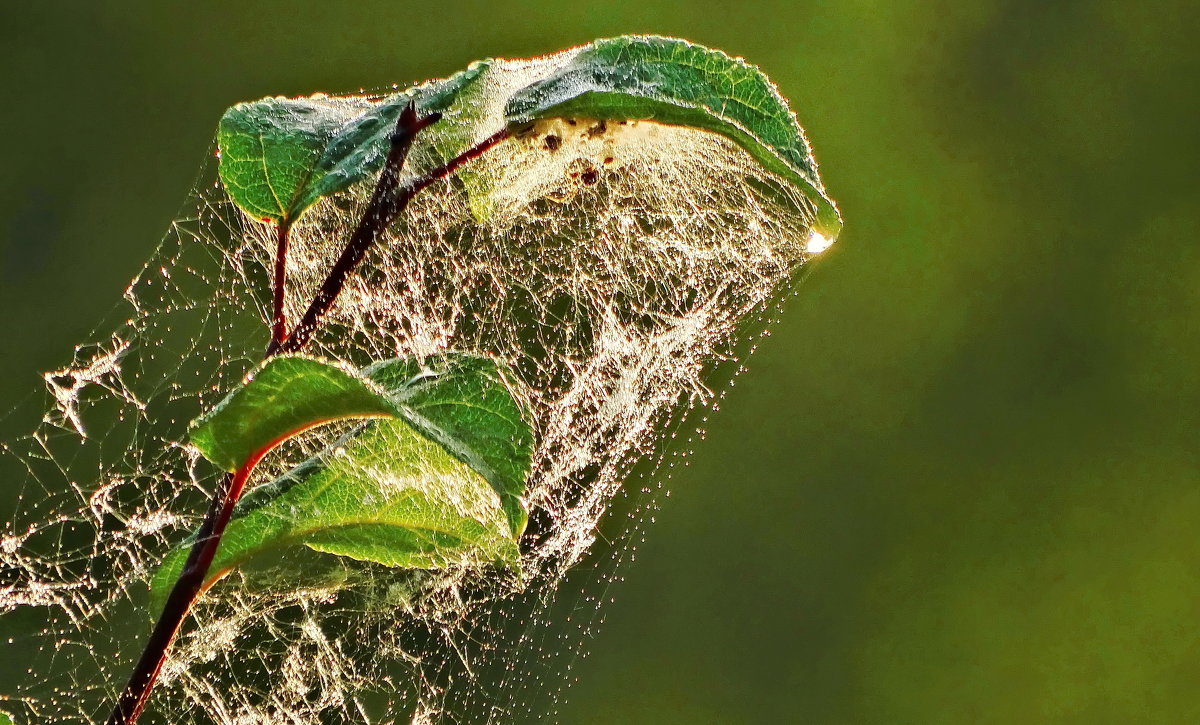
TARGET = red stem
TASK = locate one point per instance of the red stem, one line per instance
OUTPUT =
(278, 320)
(386, 203)
(187, 588)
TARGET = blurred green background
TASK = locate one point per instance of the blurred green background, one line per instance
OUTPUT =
(960, 482)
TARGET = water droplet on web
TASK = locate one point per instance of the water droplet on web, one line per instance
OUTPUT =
(817, 243)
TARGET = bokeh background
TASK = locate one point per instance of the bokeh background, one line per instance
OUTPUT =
(960, 483)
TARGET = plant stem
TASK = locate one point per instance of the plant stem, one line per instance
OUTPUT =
(381, 210)
(186, 589)
(278, 321)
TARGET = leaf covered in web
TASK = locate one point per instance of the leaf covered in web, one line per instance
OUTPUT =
(424, 489)
(387, 495)
(282, 398)
(673, 81)
(463, 404)
(279, 156)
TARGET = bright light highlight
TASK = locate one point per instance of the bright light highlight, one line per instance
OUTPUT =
(817, 243)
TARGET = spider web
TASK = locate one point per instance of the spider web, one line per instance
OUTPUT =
(618, 268)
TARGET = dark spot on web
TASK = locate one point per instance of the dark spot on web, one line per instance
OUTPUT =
(553, 143)
(584, 170)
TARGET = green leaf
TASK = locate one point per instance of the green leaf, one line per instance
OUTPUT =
(285, 396)
(279, 156)
(439, 481)
(461, 402)
(5, 718)
(387, 495)
(465, 406)
(676, 82)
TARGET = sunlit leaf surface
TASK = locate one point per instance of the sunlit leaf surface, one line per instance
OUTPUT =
(438, 483)
(280, 155)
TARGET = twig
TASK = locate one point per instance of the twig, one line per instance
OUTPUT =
(183, 593)
(278, 321)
